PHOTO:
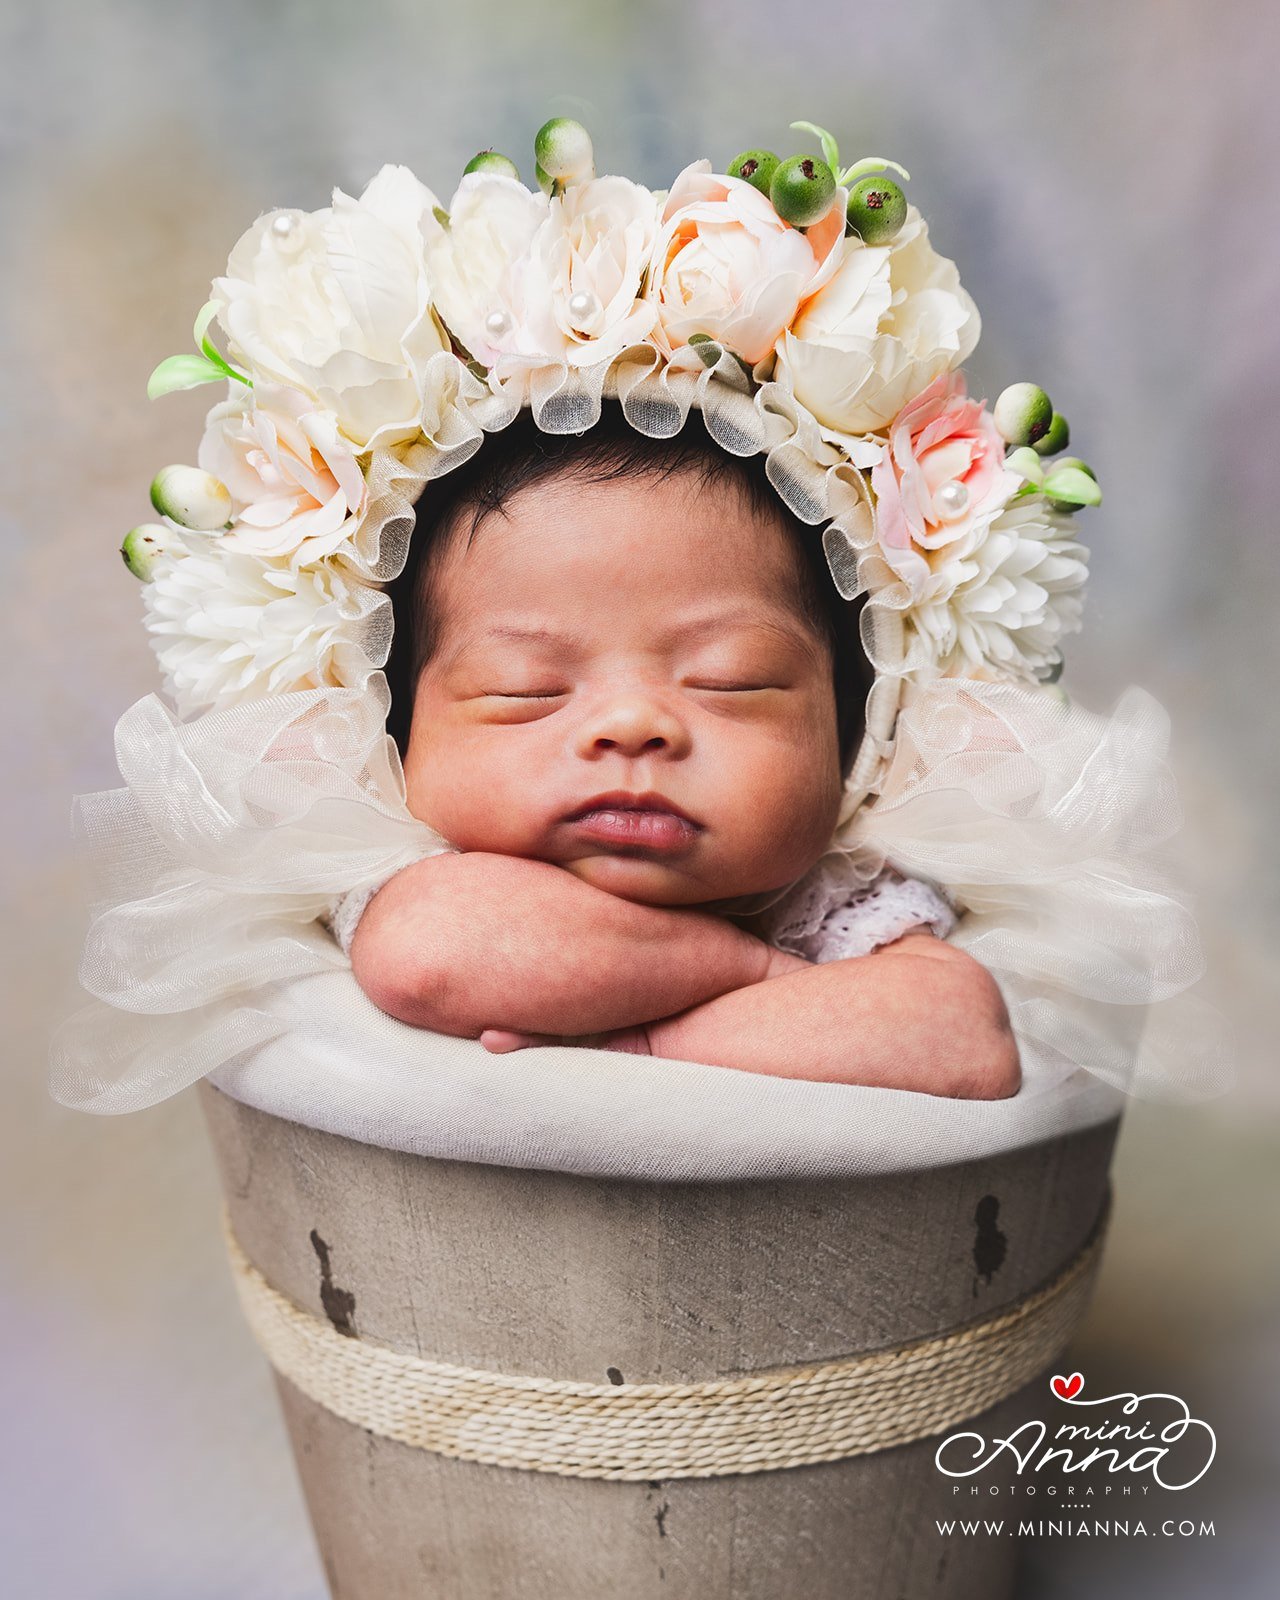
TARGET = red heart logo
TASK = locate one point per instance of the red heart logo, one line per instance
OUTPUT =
(1067, 1388)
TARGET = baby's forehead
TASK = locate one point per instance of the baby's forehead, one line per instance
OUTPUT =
(673, 530)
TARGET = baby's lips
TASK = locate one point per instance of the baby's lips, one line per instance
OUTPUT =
(639, 821)
(647, 829)
(626, 800)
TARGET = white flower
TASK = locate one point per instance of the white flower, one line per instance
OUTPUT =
(726, 265)
(337, 303)
(228, 627)
(1000, 602)
(891, 319)
(588, 259)
(479, 263)
(295, 483)
(522, 281)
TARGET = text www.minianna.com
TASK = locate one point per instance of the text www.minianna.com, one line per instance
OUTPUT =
(1065, 1528)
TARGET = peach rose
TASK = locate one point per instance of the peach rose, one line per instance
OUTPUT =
(891, 319)
(295, 483)
(943, 477)
(725, 264)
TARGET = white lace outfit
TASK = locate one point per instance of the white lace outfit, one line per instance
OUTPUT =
(830, 914)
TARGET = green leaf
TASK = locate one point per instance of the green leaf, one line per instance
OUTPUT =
(870, 164)
(182, 372)
(204, 317)
(1069, 483)
(212, 353)
(207, 312)
(1024, 460)
(830, 150)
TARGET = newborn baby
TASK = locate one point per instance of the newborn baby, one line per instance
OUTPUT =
(627, 694)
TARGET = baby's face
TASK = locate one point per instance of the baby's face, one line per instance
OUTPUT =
(624, 685)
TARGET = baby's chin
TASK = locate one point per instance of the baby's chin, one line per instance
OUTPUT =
(657, 883)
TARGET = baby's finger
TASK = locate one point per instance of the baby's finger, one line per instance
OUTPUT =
(498, 1040)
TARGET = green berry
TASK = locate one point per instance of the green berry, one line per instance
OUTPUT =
(1023, 413)
(192, 498)
(1056, 438)
(490, 161)
(143, 545)
(755, 167)
(876, 210)
(563, 150)
(802, 189)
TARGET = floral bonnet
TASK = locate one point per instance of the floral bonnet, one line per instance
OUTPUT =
(797, 303)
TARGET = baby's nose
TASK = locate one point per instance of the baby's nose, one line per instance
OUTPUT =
(633, 724)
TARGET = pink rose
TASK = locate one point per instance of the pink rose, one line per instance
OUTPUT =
(727, 265)
(943, 477)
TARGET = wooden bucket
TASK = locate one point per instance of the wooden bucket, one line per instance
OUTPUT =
(350, 1253)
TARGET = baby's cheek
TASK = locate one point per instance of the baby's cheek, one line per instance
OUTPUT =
(794, 796)
(468, 793)
(450, 786)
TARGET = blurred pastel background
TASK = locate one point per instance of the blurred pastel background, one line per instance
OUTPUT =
(1106, 175)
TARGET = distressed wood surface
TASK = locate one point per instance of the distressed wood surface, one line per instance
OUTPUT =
(601, 1280)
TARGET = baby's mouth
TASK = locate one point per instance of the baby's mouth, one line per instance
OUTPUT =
(634, 822)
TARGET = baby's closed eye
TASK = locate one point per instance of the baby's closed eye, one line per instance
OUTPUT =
(523, 694)
(717, 685)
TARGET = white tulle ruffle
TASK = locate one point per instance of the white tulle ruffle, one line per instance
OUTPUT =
(208, 872)
(1040, 821)
(1044, 823)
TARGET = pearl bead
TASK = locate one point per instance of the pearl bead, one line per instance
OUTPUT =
(951, 500)
(286, 232)
(583, 307)
(497, 324)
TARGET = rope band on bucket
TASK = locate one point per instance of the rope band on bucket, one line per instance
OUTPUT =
(757, 1422)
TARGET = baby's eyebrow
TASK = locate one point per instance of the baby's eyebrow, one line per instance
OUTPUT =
(690, 629)
(781, 623)
(513, 633)
(532, 635)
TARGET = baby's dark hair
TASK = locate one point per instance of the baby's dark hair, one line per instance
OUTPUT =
(522, 455)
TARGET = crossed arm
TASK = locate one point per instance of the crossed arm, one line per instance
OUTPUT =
(472, 943)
